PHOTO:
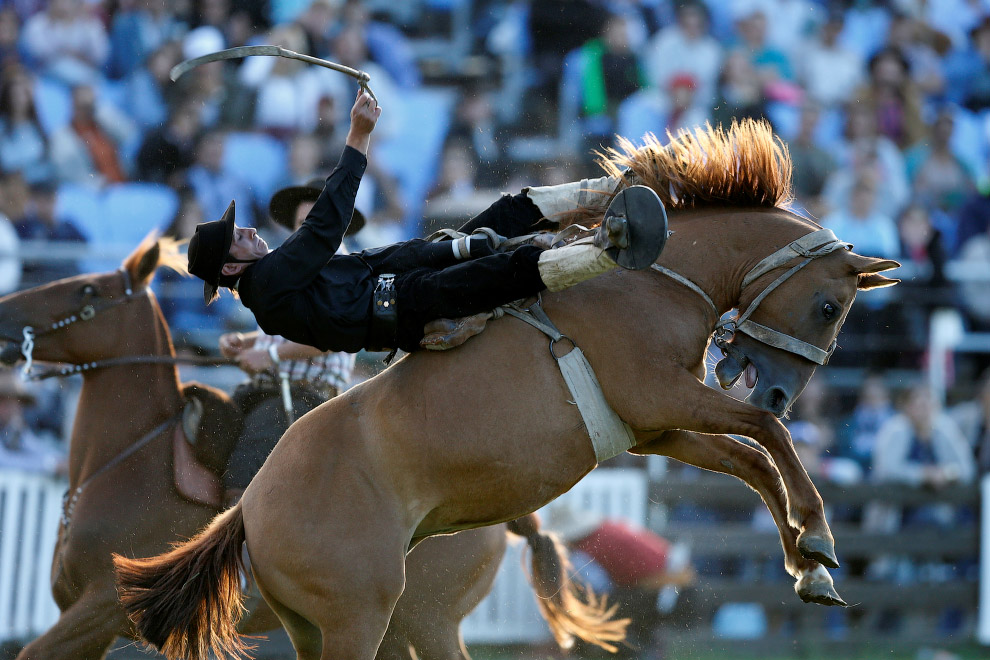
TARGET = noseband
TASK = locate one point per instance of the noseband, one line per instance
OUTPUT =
(810, 246)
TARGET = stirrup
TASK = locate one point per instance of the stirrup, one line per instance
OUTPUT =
(634, 229)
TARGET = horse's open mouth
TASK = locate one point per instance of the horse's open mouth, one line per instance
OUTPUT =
(750, 376)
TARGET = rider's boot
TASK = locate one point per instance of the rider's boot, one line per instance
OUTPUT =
(632, 235)
(553, 200)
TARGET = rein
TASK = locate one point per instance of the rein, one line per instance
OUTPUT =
(810, 246)
(87, 313)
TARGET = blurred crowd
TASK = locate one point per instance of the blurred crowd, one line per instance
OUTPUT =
(883, 104)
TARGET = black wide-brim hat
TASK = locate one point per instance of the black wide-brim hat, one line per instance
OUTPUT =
(284, 203)
(208, 250)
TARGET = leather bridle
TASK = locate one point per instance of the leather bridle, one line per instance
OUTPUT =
(810, 246)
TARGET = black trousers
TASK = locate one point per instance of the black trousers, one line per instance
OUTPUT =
(431, 284)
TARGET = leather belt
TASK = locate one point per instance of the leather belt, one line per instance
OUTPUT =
(384, 315)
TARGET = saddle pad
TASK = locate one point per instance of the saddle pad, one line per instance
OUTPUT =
(193, 480)
(610, 436)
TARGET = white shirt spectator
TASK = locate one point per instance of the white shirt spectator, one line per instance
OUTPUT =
(10, 264)
(830, 74)
(671, 52)
(67, 42)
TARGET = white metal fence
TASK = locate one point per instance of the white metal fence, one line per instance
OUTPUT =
(30, 506)
(509, 613)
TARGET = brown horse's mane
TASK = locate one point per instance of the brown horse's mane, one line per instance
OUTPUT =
(745, 165)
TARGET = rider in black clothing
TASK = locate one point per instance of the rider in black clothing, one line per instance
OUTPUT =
(381, 297)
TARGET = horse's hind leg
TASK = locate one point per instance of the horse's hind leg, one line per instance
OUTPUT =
(720, 453)
(440, 641)
(84, 631)
(710, 412)
(304, 635)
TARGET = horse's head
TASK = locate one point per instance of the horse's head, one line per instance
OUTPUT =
(85, 318)
(794, 328)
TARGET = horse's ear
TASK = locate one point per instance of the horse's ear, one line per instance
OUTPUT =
(874, 281)
(143, 262)
(866, 269)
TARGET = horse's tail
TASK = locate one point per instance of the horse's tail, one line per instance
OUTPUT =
(571, 610)
(187, 601)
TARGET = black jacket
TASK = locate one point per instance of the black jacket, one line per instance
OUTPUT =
(302, 290)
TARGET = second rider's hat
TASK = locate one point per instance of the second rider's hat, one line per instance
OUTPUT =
(283, 205)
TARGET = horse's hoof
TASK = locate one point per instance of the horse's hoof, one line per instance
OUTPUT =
(816, 548)
(822, 594)
(816, 587)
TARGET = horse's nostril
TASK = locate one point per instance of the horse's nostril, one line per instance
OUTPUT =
(776, 400)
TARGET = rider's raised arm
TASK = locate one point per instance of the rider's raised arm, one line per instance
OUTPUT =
(311, 246)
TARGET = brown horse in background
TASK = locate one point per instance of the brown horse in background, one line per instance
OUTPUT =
(441, 442)
(132, 507)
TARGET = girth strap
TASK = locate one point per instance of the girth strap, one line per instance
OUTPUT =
(610, 436)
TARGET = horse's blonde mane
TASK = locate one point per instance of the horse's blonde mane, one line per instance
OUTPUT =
(168, 254)
(746, 165)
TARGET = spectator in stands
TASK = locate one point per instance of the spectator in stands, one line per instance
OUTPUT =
(740, 92)
(350, 48)
(812, 164)
(864, 147)
(973, 419)
(974, 258)
(138, 29)
(41, 223)
(923, 48)
(813, 431)
(922, 247)
(683, 111)
(214, 186)
(922, 445)
(23, 145)
(474, 121)
(936, 173)
(66, 42)
(458, 171)
(640, 571)
(772, 64)
(858, 222)
(224, 101)
(968, 70)
(319, 19)
(10, 35)
(87, 151)
(305, 160)
(21, 447)
(866, 23)
(12, 201)
(685, 48)
(387, 45)
(893, 98)
(167, 152)
(149, 89)
(857, 435)
(187, 216)
(829, 72)
(326, 134)
(288, 91)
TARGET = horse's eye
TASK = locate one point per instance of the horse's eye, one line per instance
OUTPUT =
(828, 310)
(89, 290)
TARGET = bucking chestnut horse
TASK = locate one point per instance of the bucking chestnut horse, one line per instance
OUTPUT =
(485, 433)
(122, 496)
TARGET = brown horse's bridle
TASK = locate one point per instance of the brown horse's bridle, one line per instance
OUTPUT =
(86, 313)
(810, 246)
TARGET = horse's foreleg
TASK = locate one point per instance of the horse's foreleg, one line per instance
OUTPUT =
(705, 410)
(720, 453)
(84, 631)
